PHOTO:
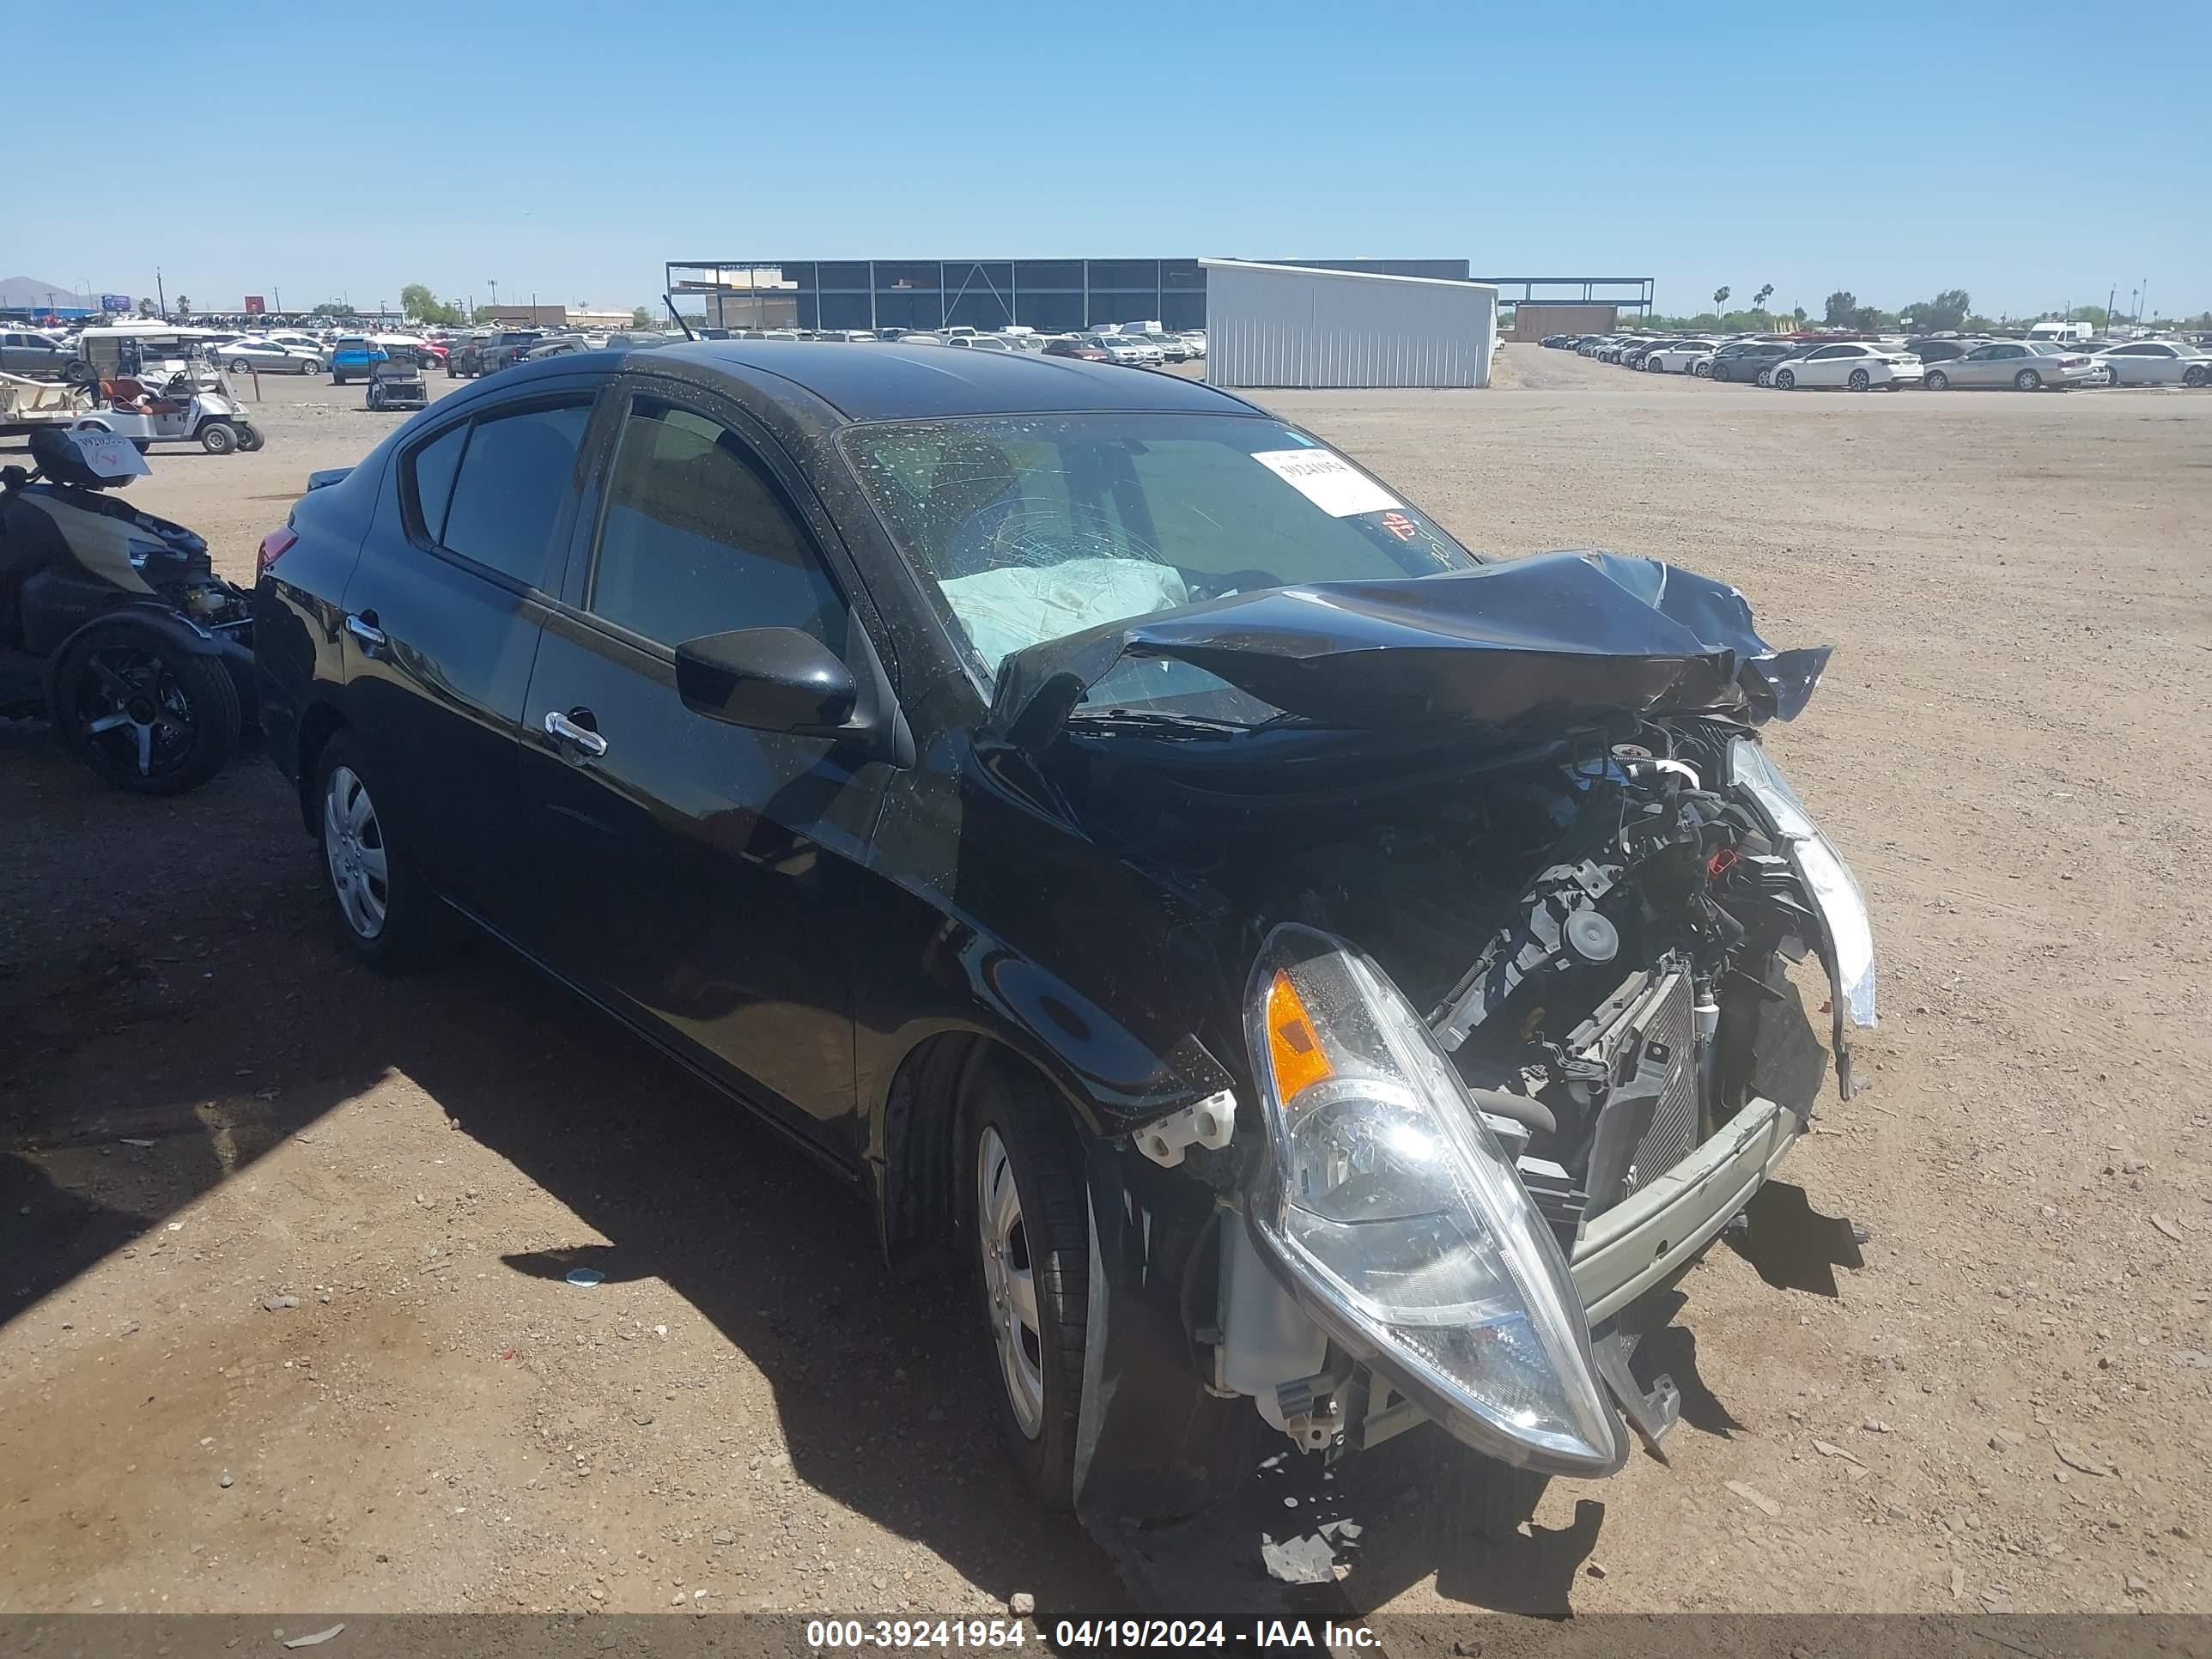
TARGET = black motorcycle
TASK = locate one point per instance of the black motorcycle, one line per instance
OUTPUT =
(113, 625)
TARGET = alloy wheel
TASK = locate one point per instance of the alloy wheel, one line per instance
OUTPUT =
(353, 845)
(1009, 1285)
(131, 703)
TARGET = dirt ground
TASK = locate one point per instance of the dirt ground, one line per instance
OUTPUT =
(282, 1244)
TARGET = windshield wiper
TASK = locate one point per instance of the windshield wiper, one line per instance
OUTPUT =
(1157, 722)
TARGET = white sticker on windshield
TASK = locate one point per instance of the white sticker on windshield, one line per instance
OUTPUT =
(1329, 481)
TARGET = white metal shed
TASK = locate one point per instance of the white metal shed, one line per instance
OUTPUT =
(1291, 325)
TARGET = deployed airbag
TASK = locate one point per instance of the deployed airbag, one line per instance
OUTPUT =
(1523, 646)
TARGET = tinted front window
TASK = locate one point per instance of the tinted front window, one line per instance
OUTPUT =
(696, 541)
(516, 475)
(1030, 528)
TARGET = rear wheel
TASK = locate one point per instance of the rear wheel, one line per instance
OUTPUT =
(1032, 1254)
(311, 367)
(1784, 380)
(389, 918)
(143, 713)
(1860, 380)
(2028, 381)
(239, 366)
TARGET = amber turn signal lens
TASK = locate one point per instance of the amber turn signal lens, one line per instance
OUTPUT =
(1293, 1049)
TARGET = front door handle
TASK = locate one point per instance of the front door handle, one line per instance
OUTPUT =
(364, 629)
(582, 738)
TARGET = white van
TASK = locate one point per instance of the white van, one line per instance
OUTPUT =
(2062, 333)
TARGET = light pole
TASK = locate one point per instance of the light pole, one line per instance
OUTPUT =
(494, 283)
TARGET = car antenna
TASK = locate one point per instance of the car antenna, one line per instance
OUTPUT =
(669, 300)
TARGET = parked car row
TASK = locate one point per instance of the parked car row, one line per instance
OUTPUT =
(1936, 362)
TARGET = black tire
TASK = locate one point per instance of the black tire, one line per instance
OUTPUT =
(2028, 381)
(2189, 377)
(239, 366)
(1938, 380)
(1021, 1113)
(250, 439)
(1860, 380)
(1784, 380)
(180, 710)
(142, 445)
(218, 437)
(415, 930)
(1719, 372)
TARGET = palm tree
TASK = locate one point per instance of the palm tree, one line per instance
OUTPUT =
(1720, 298)
(1758, 300)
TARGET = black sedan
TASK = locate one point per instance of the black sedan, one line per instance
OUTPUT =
(1277, 953)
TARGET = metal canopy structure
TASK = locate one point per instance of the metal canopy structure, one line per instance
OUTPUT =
(1628, 293)
(1051, 295)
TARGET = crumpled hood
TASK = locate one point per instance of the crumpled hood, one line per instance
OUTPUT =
(1525, 646)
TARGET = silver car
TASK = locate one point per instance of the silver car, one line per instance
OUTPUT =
(2157, 362)
(269, 357)
(2022, 365)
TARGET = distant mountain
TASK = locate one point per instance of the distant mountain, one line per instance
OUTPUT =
(30, 291)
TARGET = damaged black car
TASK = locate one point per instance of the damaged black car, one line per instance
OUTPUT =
(1313, 979)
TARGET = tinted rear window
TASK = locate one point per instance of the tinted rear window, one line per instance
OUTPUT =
(432, 469)
(516, 475)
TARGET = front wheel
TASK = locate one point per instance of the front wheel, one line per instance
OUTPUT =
(1784, 380)
(1938, 380)
(1860, 380)
(144, 714)
(218, 437)
(250, 439)
(1031, 1243)
(2189, 377)
(2028, 381)
(389, 918)
(239, 366)
(311, 367)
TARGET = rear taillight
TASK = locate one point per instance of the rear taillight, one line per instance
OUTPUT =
(274, 546)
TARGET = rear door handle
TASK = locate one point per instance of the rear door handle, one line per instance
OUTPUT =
(562, 729)
(364, 629)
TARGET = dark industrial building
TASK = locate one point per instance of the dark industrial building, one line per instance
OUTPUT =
(1053, 296)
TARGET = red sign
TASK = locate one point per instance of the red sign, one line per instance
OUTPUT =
(1401, 526)
(254, 305)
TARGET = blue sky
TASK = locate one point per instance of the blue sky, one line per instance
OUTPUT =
(2016, 150)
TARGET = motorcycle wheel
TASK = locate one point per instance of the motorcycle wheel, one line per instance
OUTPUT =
(143, 715)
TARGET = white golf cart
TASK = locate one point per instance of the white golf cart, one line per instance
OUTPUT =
(158, 384)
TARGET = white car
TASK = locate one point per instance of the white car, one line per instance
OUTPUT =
(983, 342)
(2155, 363)
(1195, 339)
(1681, 358)
(1131, 348)
(269, 357)
(1856, 364)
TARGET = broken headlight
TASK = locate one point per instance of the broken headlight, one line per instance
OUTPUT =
(1834, 891)
(1400, 1221)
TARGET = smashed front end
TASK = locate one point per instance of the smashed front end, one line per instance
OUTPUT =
(1517, 891)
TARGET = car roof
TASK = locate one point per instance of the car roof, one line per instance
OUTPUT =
(890, 382)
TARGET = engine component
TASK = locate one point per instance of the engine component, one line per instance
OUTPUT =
(1558, 925)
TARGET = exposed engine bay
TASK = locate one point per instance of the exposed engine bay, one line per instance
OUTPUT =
(1594, 924)
(1596, 932)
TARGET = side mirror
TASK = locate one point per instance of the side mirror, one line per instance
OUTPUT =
(771, 679)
